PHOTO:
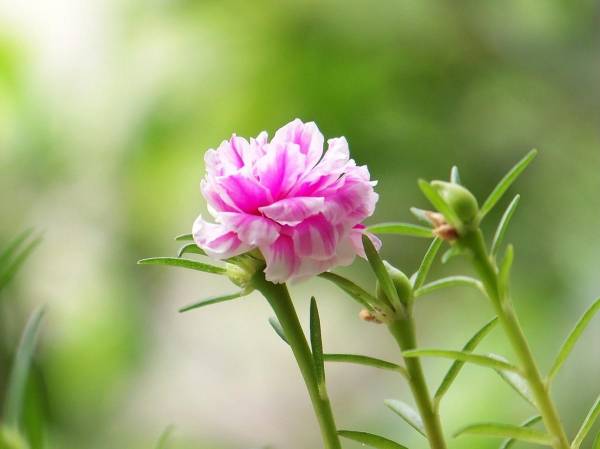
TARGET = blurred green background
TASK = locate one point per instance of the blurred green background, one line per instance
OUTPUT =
(106, 109)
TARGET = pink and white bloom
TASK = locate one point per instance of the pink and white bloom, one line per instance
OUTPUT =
(301, 207)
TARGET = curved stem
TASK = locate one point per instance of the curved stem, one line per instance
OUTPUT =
(403, 330)
(502, 302)
(279, 298)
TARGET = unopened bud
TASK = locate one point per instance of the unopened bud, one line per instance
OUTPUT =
(401, 283)
(462, 202)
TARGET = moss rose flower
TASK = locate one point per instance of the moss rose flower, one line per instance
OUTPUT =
(300, 206)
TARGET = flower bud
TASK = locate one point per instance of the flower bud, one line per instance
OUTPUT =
(459, 199)
(401, 283)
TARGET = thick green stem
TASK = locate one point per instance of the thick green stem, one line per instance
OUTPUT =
(502, 302)
(403, 331)
(279, 298)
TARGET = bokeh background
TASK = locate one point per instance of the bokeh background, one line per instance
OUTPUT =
(106, 109)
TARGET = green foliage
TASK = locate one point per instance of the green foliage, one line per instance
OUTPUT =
(11, 439)
(182, 263)
(316, 342)
(506, 431)
(439, 203)
(357, 293)
(450, 281)
(276, 325)
(366, 361)
(212, 300)
(15, 254)
(371, 440)
(503, 225)
(401, 229)
(190, 248)
(587, 424)
(387, 285)
(510, 442)
(407, 413)
(163, 440)
(477, 359)
(421, 275)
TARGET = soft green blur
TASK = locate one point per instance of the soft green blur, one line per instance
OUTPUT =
(106, 109)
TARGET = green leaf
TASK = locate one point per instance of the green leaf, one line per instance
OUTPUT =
(503, 225)
(506, 182)
(357, 293)
(569, 343)
(370, 440)
(504, 273)
(596, 444)
(426, 263)
(506, 431)
(458, 364)
(516, 381)
(451, 252)
(9, 271)
(190, 248)
(366, 361)
(510, 442)
(164, 437)
(401, 228)
(316, 342)
(382, 274)
(451, 281)
(184, 237)
(455, 175)
(438, 202)
(183, 263)
(477, 359)
(212, 300)
(407, 413)
(276, 325)
(587, 425)
(12, 246)
(17, 382)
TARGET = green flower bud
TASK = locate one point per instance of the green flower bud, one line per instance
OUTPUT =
(401, 282)
(459, 199)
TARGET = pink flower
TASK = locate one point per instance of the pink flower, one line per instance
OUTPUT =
(300, 207)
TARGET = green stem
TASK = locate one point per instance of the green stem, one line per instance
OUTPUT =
(279, 298)
(503, 305)
(403, 330)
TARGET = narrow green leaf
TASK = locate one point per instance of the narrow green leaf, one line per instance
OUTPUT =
(516, 381)
(276, 325)
(569, 343)
(366, 361)
(183, 263)
(458, 364)
(407, 413)
(504, 273)
(184, 237)
(357, 293)
(506, 182)
(190, 248)
(503, 225)
(212, 300)
(401, 228)
(438, 202)
(370, 439)
(8, 272)
(12, 246)
(476, 359)
(510, 442)
(596, 444)
(17, 382)
(451, 252)
(455, 175)
(506, 431)
(426, 263)
(164, 437)
(587, 424)
(316, 341)
(451, 281)
(383, 276)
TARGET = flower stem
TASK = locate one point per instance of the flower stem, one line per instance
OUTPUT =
(488, 272)
(403, 330)
(279, 298)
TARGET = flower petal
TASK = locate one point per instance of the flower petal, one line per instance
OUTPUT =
(280, 168)
(253, 230)
(292, 211)
(217, 241)
(244, 192)
(306, 135)
(316, 238)
(281, 260)
(356, 237)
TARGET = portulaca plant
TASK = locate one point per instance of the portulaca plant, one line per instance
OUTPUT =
(284, 210)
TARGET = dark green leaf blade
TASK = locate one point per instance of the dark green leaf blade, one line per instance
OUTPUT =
(438, 202)
(276, 325)
(506, 182)
(9, 271)
(510, 442)
(458, 364)
(423, 271)
(183, 263)
(13, 245)
(316, 342)
(402, 229)
(450, 281)
(20, 370)
(407, 413)
(569, 343)
(503, 225)
(357, 293)
(366, 361)
(212, 300)
(190, 248)
(370, 439)
(382, 274)
(506, 431)
(587, 424)
(184, 237)
(477, 359)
